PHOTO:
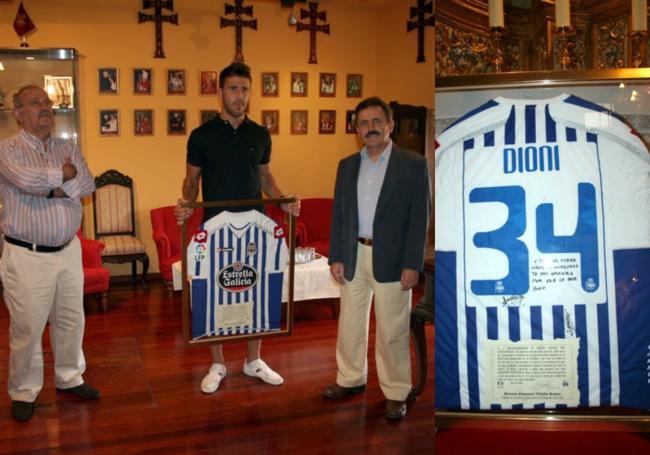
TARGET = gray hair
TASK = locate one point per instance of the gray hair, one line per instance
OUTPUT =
(17, 97)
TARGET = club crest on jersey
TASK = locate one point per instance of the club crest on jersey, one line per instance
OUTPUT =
(251, 249)
(201, 236)
(237, 277)
(278, 232)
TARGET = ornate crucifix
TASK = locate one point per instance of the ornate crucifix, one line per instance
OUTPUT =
(420, 11)
(313, 15)
(238, 22)
(158, 17)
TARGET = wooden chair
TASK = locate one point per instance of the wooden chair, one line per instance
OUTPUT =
(114, 218)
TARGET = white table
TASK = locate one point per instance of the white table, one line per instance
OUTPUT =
(312, 280)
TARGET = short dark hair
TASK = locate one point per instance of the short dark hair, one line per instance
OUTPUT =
(374, 101)
(235, 69)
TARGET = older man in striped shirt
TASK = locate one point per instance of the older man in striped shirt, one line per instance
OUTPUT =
(42, 179)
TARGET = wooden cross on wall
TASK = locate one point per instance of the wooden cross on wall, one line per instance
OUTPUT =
(159, 18)
(313, 15)
(420, 11)
(238, 22)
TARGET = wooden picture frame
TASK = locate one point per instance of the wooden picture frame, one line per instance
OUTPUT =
(108, 80)
(176, 82)
(354, 86)
(350, 122)
(221, 329)
(326, 121)
(176, 122)
(327, 85)
(207, 115)
(208, 82)
(270, 120)
(143, 81)
(270, 84)
(143, 122)
(109, 122)
(299, 84)
(299, 121)
(60, 90)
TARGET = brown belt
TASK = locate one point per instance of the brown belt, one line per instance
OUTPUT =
(364, 241)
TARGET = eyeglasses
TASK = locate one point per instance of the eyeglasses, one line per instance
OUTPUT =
(45, 102)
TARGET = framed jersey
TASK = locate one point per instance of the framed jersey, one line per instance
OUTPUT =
(542, 240)
(233, 274)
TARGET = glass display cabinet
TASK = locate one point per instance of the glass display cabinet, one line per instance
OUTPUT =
(624, 91)
(53, 69)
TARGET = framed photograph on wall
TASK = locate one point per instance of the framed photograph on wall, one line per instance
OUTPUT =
(209, 82)
(108, 81)
(143, 122)
(354, 86)
(176, 122)
(142, 81)
(60, 90)
(299, 122)
(299, 84)
(270, 84)
(350, 122)
(109, 122)
(326, 122)
(271, 121)
(207, 115)
(176, 82)
(327, 84)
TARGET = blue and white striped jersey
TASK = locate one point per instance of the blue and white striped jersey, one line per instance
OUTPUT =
(236, 262)
(542, 241)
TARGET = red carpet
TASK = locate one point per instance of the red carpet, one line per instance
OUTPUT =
(503, 442)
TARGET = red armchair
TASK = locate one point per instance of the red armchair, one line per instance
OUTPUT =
(96, 276)
(316, 219)
(167, 235)
(278, 215)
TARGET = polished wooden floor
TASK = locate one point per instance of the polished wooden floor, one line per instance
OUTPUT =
(151, 401)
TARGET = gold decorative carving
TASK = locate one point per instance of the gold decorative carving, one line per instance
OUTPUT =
(459, 52)
(610, 45)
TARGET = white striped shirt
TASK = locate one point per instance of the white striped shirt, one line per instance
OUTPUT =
(29, 169)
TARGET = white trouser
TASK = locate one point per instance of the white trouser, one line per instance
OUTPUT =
(392, 314)
(41, 288)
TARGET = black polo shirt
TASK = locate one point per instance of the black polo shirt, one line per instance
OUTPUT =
(229, 159)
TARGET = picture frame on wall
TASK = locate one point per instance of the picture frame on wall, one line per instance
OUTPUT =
(109, 82)
(60, 90)
(176, 82)
(207, 115)
(176, 122)
(270, 84)
(142, 81)
(350, 122)
(354, 86)
(271, 121)
(109, 122)
(299, 84)
(327, 84)
(326, 121)
(208, 82)
(299, 120)
(143, 122)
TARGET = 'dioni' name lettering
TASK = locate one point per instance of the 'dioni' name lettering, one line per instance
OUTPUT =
(531, 158)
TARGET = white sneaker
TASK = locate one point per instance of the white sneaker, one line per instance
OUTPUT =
(210, 382)
(259, 369)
